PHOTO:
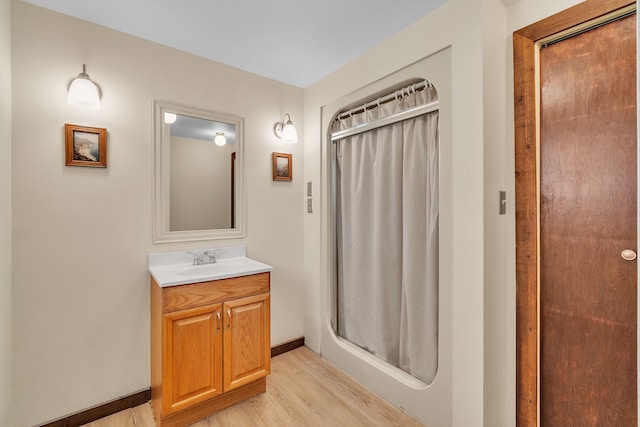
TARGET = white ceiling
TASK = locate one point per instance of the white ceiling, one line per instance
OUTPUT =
(293, 41)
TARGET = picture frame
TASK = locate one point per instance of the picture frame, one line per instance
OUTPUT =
(85, 146)
(282, 164)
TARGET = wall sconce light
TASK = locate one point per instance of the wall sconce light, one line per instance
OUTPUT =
(286, 130)
(170, 118)
(83, 92)
(220, 140)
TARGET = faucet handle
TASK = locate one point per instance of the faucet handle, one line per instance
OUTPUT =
(210, 254)
(197, 257)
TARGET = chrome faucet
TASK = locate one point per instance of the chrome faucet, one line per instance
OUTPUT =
(206, 257)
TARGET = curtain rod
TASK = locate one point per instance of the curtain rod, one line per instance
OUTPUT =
(394, 118)
(390, 97)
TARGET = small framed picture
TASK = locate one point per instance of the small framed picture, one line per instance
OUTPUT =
(85, 146)
(281, 163)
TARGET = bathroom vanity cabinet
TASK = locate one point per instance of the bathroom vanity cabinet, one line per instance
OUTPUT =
(210, 346)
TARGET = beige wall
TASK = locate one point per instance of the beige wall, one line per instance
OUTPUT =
(81, 235)
(5, 212)
(499, 378)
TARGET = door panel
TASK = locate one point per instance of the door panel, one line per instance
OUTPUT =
(192, 348)
(587, 217)
(247, 340)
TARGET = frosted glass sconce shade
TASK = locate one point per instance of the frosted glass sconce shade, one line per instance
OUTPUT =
(83, 92)
(286, 131)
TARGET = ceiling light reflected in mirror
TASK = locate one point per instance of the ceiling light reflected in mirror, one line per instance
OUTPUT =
(202, 129)
(220, 139)
(170, 118)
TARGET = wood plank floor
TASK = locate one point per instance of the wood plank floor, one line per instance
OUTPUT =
(302, 390)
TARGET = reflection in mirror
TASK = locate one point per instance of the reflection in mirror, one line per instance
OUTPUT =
(198, 174)
(200, 167)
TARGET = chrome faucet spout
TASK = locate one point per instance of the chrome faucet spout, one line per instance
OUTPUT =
(204, 257)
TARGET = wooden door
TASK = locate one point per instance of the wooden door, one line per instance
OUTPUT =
(587, 218)
(577, 317)
(247, 340)
(192, 356)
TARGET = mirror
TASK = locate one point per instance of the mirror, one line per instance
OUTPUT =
(199, 174)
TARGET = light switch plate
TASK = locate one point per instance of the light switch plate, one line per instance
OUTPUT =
(502, 209)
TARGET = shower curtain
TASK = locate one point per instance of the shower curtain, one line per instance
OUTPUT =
(387, 236)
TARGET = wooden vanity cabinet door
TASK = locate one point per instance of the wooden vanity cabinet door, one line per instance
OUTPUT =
(247, 340)
(192, 356)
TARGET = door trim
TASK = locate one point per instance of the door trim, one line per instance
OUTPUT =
(527, 193)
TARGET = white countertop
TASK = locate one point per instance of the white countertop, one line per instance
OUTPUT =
(176, 268)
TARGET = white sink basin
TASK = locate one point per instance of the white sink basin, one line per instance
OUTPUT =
(176, 268)
(219, 267)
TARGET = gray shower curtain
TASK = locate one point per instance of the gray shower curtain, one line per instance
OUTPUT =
(387, 236)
